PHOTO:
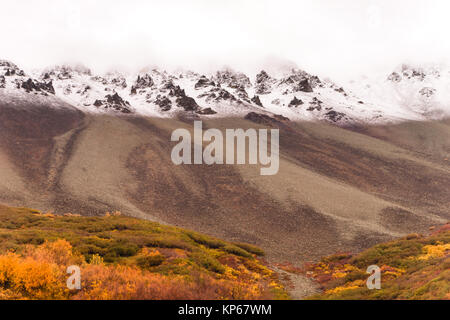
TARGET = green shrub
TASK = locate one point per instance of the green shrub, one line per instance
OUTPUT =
(206, 241)
(168, 242)
(147, 262)
(237, 251)
(123, 250)
(208, 262)
(250, 248)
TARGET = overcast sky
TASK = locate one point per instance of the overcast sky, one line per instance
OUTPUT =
(336, 38)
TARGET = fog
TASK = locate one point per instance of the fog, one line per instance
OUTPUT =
(340, 39)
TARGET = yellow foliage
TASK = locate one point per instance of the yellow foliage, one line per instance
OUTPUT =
(340, 289)
(339, 274)
(58, 252)
(349, 286)
(434, 251)
(96, 260)
(31, 278)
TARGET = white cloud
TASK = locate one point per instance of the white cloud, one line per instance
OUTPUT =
(337, 38)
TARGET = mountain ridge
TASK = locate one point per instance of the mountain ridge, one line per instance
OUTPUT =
(408, 93)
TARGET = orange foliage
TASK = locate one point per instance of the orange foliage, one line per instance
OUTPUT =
(40, 273)
(31, 278)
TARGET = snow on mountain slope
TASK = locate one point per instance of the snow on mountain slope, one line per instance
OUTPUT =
(408, 93)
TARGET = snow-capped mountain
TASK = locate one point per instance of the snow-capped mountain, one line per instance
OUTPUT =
(408, 93)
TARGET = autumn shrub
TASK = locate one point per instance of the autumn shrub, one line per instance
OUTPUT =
(208, 262)
(30, 278)
(59, 252)
(205, 240)
(150, 259)
(123, 283)
(230, 248)
(250, 248)
(167, 242)
(122, 258)
(96, 260)
(124, 249)
(414, 267)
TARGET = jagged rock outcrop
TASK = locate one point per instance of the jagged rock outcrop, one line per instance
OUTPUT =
(256, 100)
(408, 72)
(235, 80)
(181, 99)
(187, 103)
(206, 111)
(299, 80)
(304, 86)
(65, 72)
(265, 119)
(33, 85)
(412, 72)
(118, 81)
(10, 69)
(114, 102)
(164, 103)
(204, 82)
(421, 92)
(341, 90)
(217, 95)
(315, 104)
(264, 83)
(295, 102)
(335, 116)
(143, 82)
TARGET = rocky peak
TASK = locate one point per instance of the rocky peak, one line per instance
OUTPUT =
(412, 72)
(335, 116)
(235, 80)
(116, 80)
(113, 102)
(33, 85)
(182, 100)
(257, 101)
(164, 103)
(408, 72)
(8, 64)
(7, 68)
(299, 80)
(264, 83)
(295, 102)
(64, 72)
(315, 104)
(142, 82)
(218, 94)
(204, 82)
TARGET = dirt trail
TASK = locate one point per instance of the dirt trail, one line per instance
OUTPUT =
(298, 286)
